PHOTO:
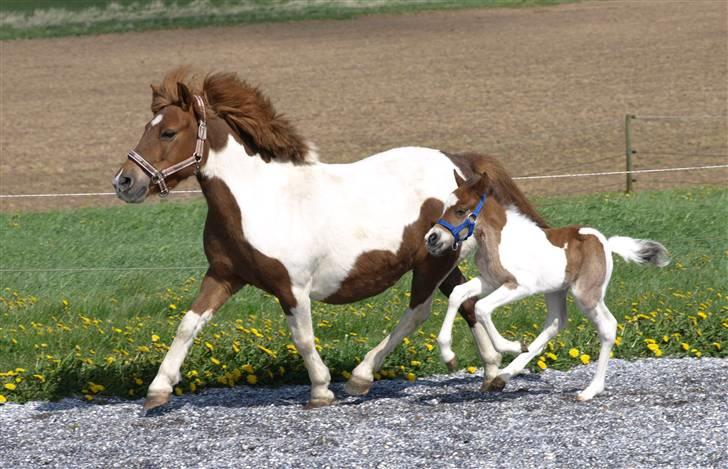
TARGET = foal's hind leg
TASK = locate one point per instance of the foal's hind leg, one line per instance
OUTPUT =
(426, 276)
(215, 291)
(488, 355)
(607, 327)
(555, 321)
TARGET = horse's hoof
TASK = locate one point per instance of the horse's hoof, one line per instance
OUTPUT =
(452, 365)
(524, 347)
(156, 399)
(317, 403)
(495, 385)
(357, 386)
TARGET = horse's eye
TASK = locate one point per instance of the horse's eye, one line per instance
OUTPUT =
(168, 134)
(460, 212)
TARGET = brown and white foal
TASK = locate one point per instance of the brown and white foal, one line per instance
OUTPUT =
(517, 258)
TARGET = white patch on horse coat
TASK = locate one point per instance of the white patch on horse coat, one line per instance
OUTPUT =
(529, 256)
(168, 374)
(157, 119)
(315, 223)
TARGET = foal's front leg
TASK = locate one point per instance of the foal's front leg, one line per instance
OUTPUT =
(459, 294)
(214, 292)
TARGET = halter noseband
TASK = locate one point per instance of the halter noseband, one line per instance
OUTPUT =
(469, 223)
(158, 177)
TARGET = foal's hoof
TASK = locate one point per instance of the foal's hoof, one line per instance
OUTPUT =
(452, 365)
(156, 399)
(495, 385)
(316, 403)
(357, 386)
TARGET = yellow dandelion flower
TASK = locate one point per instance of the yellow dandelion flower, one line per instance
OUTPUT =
(429, 347)
(155, 338)
(193, 387)
(40, 378)
(248, 369)
(88, 397)
(236, 347)
(95, 388)
(666, 338)
(702, 315)
(716, 345)
(471, 369)
(267, 351)
(251, 379)
(411, 376)
(406, 341)
(215, 361)
(3, 399)
(653, 347)
(552, 356)
(585, 359)
(650, 341)
(142, 349)
(138, 381)
(345, 374)
(415, 363)
(573, 353)
(10, 386)
(658, 353)
(685, 346)
(177, 390)
(541, 364)
(209, 346)
(172, 306)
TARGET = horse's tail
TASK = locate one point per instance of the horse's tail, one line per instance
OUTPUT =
(639, 251)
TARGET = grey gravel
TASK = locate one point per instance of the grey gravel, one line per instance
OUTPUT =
(655, 413)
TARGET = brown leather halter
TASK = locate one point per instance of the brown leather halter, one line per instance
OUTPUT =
(158, 177)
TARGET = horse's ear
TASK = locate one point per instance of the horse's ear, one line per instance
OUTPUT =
(458, 180)
(185, 96)
(483, 184)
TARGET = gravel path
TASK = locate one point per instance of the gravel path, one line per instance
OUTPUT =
(656, 413)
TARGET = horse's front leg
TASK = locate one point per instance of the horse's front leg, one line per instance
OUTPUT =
(299, 321)
(214, 292)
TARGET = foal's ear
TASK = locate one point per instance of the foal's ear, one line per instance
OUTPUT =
(185, 96)
(458, 180)
(483, 184)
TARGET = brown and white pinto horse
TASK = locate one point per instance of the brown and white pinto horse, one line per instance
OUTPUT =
(517, 258)
(301, 230)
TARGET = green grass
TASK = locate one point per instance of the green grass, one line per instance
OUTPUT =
(67, 332)
(21, 19)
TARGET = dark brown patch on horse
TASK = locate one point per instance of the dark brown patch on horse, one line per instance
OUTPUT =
(501, 184)
(467, 309)
(586, 265)
(375, 271)
(232, 259)
(245, 109)
(492, 219)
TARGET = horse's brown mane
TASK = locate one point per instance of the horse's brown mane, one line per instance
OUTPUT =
(503, 187)
(244, 107)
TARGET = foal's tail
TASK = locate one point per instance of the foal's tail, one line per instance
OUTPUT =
(639, 250)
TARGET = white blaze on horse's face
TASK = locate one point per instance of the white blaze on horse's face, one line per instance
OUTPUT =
(167, 139)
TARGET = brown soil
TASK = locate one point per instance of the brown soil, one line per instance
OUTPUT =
(546, 89)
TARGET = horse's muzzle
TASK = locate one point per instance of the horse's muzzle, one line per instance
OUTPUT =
(129, 187)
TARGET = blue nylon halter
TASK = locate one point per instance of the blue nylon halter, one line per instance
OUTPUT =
(469, 223)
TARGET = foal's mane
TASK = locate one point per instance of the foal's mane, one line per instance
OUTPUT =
(504, 189)
(245, 109)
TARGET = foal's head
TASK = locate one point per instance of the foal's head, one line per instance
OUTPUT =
(461, 211)
(169, 138)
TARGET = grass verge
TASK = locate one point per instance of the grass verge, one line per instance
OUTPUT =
(95, 328)
(23, 19)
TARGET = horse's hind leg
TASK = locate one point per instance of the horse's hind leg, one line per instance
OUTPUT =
(555, 321)
(488, 355)
(607, 327)
(426, 276)
(214, 292)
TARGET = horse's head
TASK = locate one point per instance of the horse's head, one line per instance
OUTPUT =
(458, 220)
(170, 147)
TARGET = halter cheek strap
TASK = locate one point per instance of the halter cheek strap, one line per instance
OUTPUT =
(158, 177)
(469, 223)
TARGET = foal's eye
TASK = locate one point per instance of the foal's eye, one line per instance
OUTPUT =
(460, 212)
(168, 134)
